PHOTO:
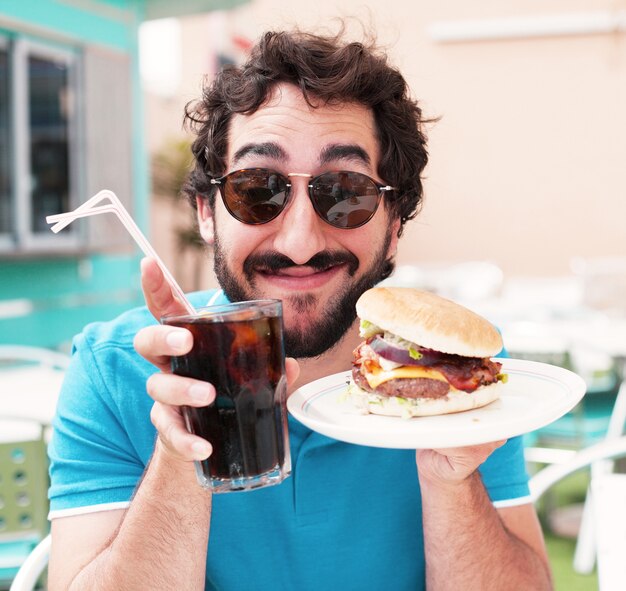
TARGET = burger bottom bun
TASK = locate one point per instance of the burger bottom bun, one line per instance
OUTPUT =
(454, 401)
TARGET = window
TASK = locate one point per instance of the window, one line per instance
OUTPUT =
(38, 148)
(49, 115)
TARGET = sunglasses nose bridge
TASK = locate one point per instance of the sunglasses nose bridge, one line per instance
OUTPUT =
(303, 175)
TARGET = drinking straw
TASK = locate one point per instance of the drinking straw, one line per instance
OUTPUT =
(91, 207)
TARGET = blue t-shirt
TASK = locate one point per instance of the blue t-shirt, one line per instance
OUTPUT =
(348, 517)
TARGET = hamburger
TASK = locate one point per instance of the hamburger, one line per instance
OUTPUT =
(422, 355)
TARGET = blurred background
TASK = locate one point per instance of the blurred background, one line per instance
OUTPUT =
(526, 158)
(525, 192)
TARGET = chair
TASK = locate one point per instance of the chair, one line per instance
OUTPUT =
(600, 416)
(29, 381)
(23, 493)
(604, 282)
(30, 572)
(16, 354)
(606, 501)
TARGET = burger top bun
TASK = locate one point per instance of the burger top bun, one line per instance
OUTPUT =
(429, 321)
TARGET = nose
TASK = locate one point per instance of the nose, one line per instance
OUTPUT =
(301, 233)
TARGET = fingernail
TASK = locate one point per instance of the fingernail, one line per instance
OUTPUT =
(176, 339)
(201, 450)
(200, 392)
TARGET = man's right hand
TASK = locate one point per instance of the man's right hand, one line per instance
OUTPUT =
(158, 344)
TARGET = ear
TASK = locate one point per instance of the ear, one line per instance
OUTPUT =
(205, 220)
(393, 245)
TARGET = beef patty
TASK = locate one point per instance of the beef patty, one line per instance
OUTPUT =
(405, 387)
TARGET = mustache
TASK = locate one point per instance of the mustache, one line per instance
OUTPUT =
(275, 261)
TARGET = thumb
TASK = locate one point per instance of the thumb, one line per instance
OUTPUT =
(157, 292)
(292, 369)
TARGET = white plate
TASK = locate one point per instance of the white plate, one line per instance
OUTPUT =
(535, 395)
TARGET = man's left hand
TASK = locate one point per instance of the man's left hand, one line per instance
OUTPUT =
(452, 465)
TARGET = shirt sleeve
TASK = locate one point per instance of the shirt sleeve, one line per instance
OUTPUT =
(103, 438)
(504, 474)
(95, 463)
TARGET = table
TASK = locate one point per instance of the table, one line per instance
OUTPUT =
(30, 392)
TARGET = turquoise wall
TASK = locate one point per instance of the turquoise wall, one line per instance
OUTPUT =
(53, 299)
(108, 23)
(45, 301)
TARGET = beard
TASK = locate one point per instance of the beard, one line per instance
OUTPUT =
(328, 328)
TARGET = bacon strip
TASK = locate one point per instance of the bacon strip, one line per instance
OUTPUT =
(463, 373)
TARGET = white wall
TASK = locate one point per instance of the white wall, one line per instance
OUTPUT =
(527, 162)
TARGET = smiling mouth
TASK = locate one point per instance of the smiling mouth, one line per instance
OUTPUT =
(297, 271)
(302, 279)
(320, 268)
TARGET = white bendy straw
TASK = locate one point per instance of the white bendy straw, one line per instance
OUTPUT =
(91, 207)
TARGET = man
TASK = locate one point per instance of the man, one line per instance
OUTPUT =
(349, 517)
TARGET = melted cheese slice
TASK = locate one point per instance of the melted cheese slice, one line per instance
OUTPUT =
(379, 376)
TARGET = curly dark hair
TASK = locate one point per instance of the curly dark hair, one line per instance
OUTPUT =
(326, 69)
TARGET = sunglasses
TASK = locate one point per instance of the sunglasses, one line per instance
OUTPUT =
(342, 199)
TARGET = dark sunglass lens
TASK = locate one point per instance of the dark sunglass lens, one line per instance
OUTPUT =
(345, 199)
(255, 196)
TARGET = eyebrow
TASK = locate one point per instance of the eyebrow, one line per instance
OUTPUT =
(329, 153)
(344, 152)
(271, 149)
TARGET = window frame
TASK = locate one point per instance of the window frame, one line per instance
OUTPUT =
(23, 239)
(6, 238)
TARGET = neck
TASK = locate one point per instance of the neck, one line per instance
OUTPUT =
(335, 360)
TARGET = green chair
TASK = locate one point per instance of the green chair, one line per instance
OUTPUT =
(23, 493)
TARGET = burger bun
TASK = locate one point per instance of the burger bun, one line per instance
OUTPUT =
(429, 321)
(394, 406)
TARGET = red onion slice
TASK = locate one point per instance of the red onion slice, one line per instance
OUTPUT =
(401, 355)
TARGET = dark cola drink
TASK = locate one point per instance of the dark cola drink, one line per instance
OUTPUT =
(239, 349)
